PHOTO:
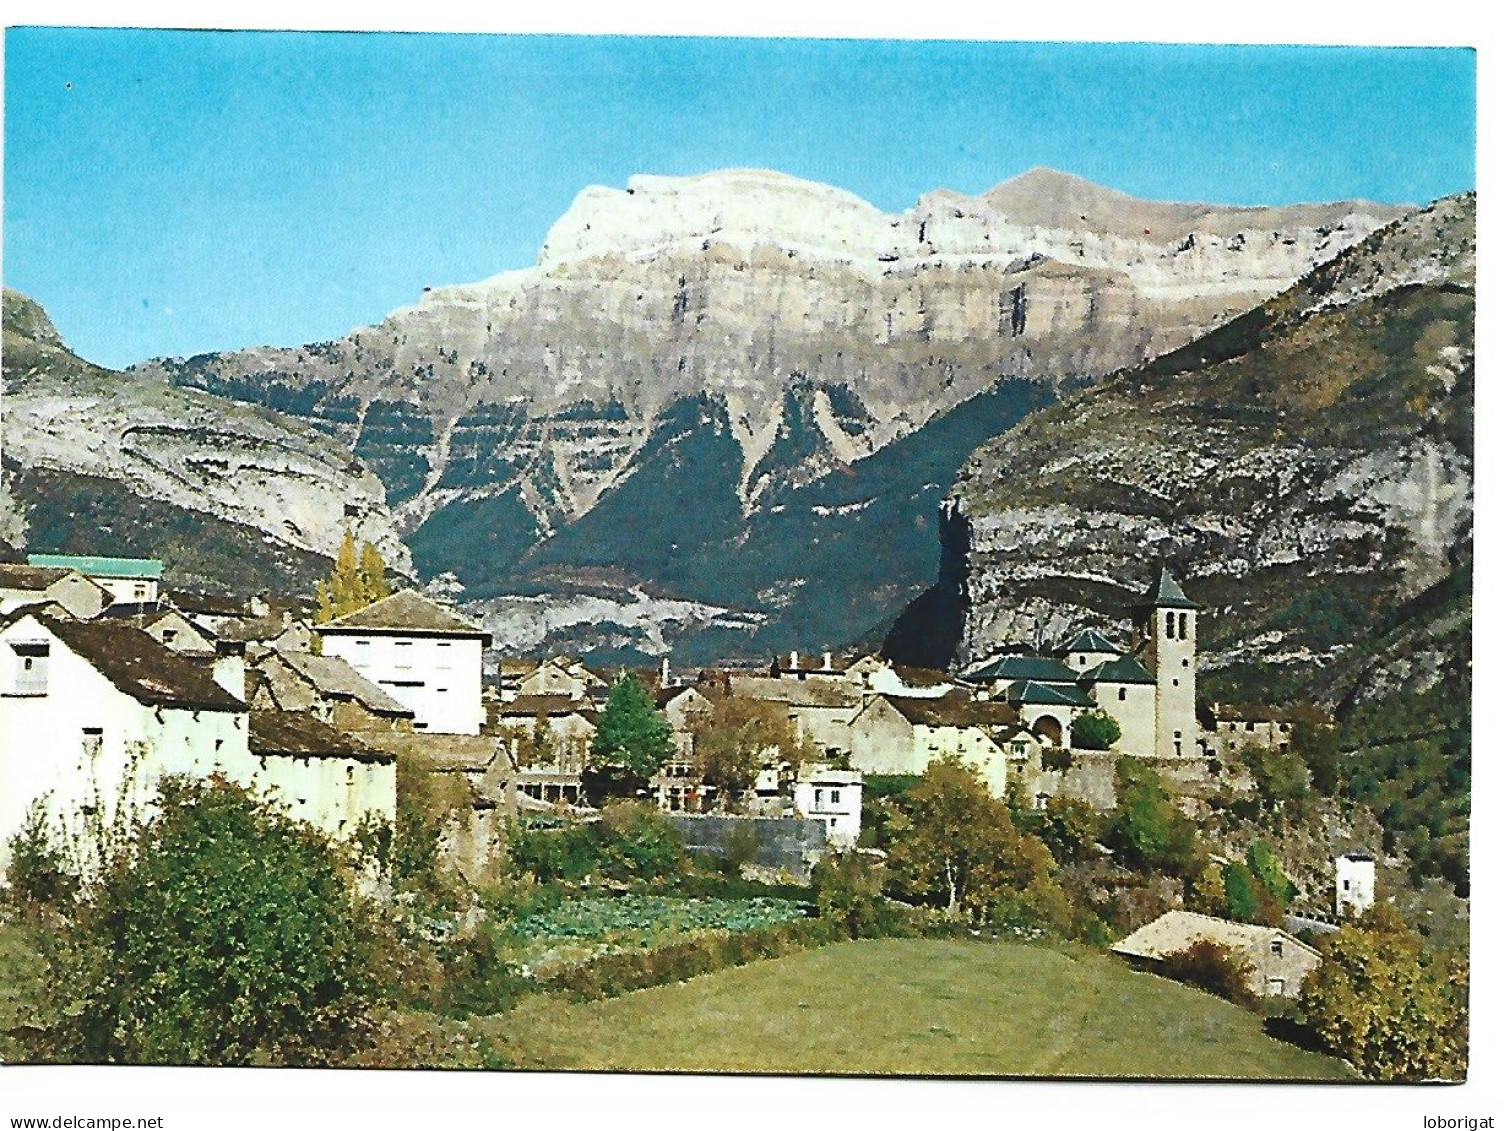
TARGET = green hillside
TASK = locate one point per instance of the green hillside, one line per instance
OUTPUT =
(916, 1007)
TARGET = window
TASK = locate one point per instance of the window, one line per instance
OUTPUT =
(1276, 987)
(1122, 694)
(140, 592)
(819, 796)
(1185, 663)
(835, 797)
(169, 635)
(93, 742)
(1277, 948)
(31, 667)
(1041, 801)
(1248, 727)
(1170, 626)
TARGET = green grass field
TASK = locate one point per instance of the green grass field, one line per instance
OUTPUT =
(913, 1007)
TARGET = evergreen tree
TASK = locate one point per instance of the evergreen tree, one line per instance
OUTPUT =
(633, 740)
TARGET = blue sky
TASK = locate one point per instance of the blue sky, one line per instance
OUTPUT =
(176, 192)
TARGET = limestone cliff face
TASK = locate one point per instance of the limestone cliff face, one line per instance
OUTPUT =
(1307, 468)
(500, 414)
(248, 474)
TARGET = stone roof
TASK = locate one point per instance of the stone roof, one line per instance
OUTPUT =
(1047, 695)
(1039, 669)
(1090, 640)
(1125, 669)
(955, 710)
(794, 692)
(135, 663)
(406, 611)
(552, 706)
(335, 678)
(100, 566)
(1167, 594)
(30, 577)
(297, 734)
(920, 677)
(1176, 930)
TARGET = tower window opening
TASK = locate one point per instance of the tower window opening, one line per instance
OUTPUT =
(1170, 626)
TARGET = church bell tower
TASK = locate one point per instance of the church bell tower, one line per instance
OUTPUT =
(1167, 635)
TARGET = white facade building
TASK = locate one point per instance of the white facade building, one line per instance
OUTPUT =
(132, 581)
(833, 797)
(1355, 884)
(93, 713)
(422, 654)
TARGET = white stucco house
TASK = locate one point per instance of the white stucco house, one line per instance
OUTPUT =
(319, 775)
(37, 585)
(1355, 883)
(895, 734)
(833, 797)
(129, 580)
(423, 654)
(93, 713)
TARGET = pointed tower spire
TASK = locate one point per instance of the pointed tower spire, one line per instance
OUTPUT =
(1167, 593)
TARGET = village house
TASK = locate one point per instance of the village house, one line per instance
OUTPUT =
(562, 675)
(1279, 962)
(1354, 883)
(81, 596)
(825, 668)
(327, 688)
(547, 738)
(320, 775)
(893, 734)
(424, 655)
(884, 677)
(167, 627)
(821, 709)
(834, 797)
(95, 712)
(131, 580)
(1230, 727)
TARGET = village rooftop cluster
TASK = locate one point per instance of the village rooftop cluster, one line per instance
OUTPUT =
(109, 681)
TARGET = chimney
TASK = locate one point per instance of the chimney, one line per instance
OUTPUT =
(259, 607)
(793, 661)
(229, 668)
(663, 676)
(827, 661)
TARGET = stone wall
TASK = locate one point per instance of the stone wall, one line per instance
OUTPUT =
(787, 844)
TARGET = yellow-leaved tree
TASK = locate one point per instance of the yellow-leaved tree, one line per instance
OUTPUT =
(358, 579)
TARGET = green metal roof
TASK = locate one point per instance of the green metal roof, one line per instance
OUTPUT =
(1027, 691)
(1167, 594)
(1090, 640)
(1040, 669)
(99, 567)
(1125, 669)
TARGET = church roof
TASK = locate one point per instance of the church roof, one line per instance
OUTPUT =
(1027, 691)
(1167, 594)
(1040, 669)
(99, 566)
(408, 612)
(1090, 640)
(1125, 669)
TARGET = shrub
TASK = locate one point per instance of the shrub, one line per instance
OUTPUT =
(1213, 968)
(1095, 730)
(228, 935)
(631, 841)
(38, 872)
(1266, 868)
(427, 803)
(849, 890)
(1146, 828)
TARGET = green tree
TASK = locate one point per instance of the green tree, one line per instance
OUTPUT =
(954, 845)
(1280, 777)
(632, 741)
(1146, 828)
(1095, 730)
(229, 934)
(1266, 867)
(848, 888)
(1319, 747)
(737, 736)
(358, 579)
(1378, 1002)
(428, 803)
(1069, 827)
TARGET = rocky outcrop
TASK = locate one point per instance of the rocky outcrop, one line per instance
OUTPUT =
(256, 478)
(819, 330)
(1307, 468)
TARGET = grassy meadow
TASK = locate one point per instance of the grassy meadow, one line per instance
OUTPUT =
(911, 1006)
